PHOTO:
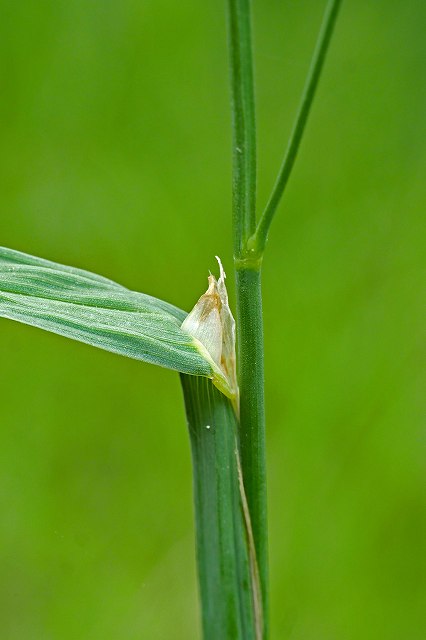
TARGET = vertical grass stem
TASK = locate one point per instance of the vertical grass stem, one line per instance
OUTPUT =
(243, 123)
(252, 414)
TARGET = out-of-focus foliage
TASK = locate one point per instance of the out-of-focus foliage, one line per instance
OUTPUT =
(116, 158)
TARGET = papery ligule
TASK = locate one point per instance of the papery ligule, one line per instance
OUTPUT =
(212, 324)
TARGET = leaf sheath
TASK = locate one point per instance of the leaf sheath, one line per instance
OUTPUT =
(225, 568)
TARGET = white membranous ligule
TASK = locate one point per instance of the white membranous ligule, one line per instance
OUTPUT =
(212, 324)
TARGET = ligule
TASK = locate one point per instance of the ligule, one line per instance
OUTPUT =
(212, 325)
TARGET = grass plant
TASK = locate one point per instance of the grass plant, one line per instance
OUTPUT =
(226, 416)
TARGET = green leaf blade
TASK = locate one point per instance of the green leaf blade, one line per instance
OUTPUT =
(91, 309)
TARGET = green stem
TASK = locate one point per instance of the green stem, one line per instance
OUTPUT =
(225, 568)
(252, 413)
(258, 241)
(249, 302)
(243, 121)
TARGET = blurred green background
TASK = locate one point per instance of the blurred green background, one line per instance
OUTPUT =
(115, 133)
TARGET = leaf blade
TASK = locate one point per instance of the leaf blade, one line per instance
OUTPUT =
(91, 309)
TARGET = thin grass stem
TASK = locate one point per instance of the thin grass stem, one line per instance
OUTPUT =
(243, 121)
(258, 241)
(248, 292)
(252, 415)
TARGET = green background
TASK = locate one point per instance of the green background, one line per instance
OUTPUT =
(115, 132)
